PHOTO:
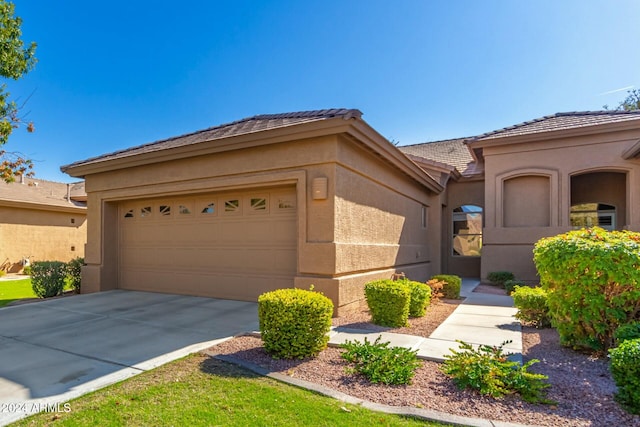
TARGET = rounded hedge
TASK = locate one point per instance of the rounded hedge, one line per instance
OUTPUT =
(389, 302)
(294, 323)
(47, 278)
(625, 370)
(592, 279)
(420, 298)
(532, 306)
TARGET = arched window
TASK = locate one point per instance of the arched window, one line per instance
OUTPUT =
(467, 230)
(585, 215)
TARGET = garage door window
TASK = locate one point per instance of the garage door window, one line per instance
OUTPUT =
(209, 209)
(184, 210)
(259, 205)
(165, 210)
(145, 212)
(129, 214)
(232, 206)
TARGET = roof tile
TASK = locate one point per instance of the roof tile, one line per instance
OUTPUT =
(452, 152)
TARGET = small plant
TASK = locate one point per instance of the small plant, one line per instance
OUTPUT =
(294, 323)
(625, 370)
(489, 371)
(74, 270)
(388, 301)
(500, 277)
(26, 270)
(420, 298)
(436, 288)
(381, 363)
(532, 306)
(451, 288)
(510, 285)
(47, 278)
(628, 331)
(3, 273)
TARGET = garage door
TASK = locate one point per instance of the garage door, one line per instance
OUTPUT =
(225, 245)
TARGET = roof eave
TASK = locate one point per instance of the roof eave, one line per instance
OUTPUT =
(43, 206)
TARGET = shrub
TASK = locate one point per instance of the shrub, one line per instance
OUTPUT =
(532, 306)
(74, 270)
(451, 289)
(3, 273)
(500, 277)
(510, 285)
(388, 302)
(628, 331)
(47, 278)
(420, 298)
(489, 371)
(27, 270)
(436, 288)
(381, 363)
(294, 323)
(625, 370)
(592, 279)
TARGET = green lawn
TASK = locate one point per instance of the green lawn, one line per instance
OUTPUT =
(200, 391)
(11, 290)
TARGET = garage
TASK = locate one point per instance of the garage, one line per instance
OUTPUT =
(232, 245)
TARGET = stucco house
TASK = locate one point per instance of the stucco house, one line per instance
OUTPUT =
(320, 197)
(41, 220)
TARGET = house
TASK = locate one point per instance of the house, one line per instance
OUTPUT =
(320, 197)
(41, 220)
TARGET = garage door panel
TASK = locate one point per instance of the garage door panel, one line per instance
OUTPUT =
(191, 247)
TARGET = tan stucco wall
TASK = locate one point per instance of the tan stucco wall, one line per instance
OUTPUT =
(459, 193)
(336, 259)
(40, 235)
(519, 176)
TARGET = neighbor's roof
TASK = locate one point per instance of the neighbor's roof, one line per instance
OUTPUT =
(561, 121)
(42, 192)
(240, 127)
(452, 152)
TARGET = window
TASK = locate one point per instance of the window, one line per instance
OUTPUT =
(585, 215)
(467, 230)
(145, 211)
(232, 206)
(129, 214)
(258, 204)
(165, 210)
(184, 210)
(286, 204)
(209, 209)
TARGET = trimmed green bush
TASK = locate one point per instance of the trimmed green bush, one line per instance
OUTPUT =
(451, 289)
(388, 302)
(294, 323)
(532, 306)
(500, 277)
(381, 363)
(488, 370)
(628, 331)
(625, 370)
(592, 279)
(420, 298)
(47, 278)
(510, 285)
(26, 270)
(74, 270)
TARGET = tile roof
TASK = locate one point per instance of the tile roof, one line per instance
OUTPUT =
(562, 121)
(452, 152)
(43, 192)
(240, 127)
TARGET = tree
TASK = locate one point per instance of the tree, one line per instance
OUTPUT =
(16, 60)
(630, 103)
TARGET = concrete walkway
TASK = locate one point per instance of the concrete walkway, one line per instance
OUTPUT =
(481, 319)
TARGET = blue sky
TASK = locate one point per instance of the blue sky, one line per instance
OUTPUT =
(121, 73)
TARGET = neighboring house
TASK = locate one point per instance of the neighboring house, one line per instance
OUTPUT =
(41, 220)
(319, 197)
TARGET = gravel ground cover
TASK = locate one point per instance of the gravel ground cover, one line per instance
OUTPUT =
(580, 384)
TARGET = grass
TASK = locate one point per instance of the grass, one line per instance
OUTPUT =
(11, 290)
(201, 391)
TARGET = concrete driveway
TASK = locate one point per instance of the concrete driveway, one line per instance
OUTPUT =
(52, 351)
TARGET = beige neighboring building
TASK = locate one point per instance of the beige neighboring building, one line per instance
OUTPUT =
(41, 221)
(319, 197)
